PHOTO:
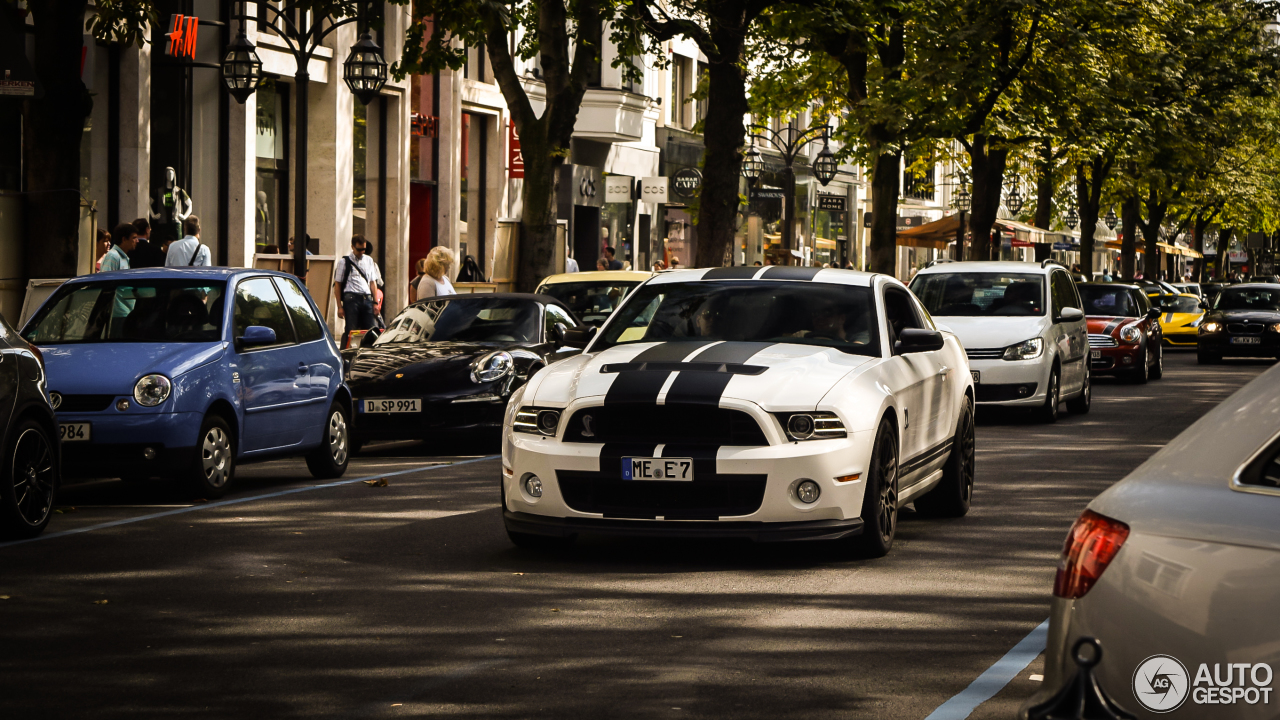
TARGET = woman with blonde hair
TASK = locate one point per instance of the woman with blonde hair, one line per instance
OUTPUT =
(435, 280)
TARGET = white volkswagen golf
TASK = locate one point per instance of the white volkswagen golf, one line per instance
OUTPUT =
(774, 403)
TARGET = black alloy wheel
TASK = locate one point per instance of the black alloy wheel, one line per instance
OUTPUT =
(1080, 405)
(954, 493)
(30, 480)
(1052, 398)
(880, 498)
(1143, 371)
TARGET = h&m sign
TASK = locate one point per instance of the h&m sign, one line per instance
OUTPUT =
(182, 36)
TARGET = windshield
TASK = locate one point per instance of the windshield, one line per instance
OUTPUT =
(1107, 300)
(477, 319)
(131, 311)
(592, 302)
(980, 294)
(1179, 304)
(838, 316)
(1234, 298)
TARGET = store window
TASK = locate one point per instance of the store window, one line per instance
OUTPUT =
(475, 141)
(271, 221)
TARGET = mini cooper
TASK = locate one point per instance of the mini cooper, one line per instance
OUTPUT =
(1124, 331)
(771, 403)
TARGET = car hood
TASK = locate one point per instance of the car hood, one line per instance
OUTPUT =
(776, 376)
(994, 332)
(1107, 324)
(412, 361)
(1265, 316)
(1177, 320)
(114, 368)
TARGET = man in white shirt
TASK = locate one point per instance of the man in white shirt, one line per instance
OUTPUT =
(189, 251)
(354, 278)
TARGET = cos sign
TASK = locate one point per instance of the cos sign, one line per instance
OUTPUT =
(653, 189)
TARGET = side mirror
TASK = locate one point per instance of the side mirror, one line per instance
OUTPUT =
(1153, 313)
(559, 334)
(1204, 304)
(256, 335)
(1070, 314)
(370, 337)
(918, 340)
(579, 337)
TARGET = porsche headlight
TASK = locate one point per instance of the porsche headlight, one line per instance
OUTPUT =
(152, 390)
(537, 421)
(1210, 327)
(1131, 334)
(493, 366)
(812, 425)
(1025, 350)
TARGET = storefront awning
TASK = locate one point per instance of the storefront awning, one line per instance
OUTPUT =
(1141, 249)
(939, 233)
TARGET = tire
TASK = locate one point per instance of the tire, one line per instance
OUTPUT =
(1143, 373)
(952, 496)
(29, 480)
(1048, 413)
(213, 465)
(1080, 404)
(880, 499)
(1157, 371)
(330, 458)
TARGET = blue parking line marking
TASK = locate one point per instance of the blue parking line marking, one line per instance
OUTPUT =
(237, 501)
(995, 678)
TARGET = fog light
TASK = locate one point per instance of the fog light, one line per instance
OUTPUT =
(533, 486)
(1126, 360)
(122, 405)
(1023, 390)
(808, 492)
(148, 453)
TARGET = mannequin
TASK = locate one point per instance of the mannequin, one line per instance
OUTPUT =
(170, 205)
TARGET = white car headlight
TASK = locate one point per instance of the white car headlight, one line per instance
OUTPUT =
(537, 421)
(1025, 350)
(812, 425)
(1210, 327)
(151, 390)
(493, 366)
(1131, 334)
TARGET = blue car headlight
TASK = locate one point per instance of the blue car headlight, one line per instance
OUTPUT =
(151, 390)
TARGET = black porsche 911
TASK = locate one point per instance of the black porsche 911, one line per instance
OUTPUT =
(449, 364)
(1244, 321)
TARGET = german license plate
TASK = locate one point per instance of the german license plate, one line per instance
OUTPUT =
(666, 469)
(73, 432)
(977, 375)
(385, 405)
(1246, 341)
(1095, 354)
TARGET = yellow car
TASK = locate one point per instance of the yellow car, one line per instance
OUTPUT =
(1180, 317)
(593, 296)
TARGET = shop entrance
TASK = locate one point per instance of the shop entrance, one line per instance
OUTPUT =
(586, 236)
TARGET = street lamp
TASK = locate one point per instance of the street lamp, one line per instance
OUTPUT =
(1013, 200)
(365, 72)
(1073, 219)
(790, 145)
(963, 201)
(1111, 218)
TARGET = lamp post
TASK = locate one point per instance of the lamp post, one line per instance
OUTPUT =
(963, 201)
(1111, 218)
(1013, 200)
(1072, 219)
(365, 72)
(789, 145)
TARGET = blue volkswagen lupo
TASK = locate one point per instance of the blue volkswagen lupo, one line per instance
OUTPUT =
(186, 372)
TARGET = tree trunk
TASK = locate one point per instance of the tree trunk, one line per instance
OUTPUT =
(1198, 228)
(723, 133)
(882, 250)
(1224, 248)
(1129, 237)
(537, 255)
(1044, 186)
(54, 125)
(1151, 232)
(987, 164)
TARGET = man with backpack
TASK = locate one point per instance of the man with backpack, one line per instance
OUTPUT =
(355, 280)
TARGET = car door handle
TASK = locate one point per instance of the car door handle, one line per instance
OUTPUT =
(944, 370)
(302, 368)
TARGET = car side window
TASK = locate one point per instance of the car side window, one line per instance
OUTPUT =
(1064, 295)
(304, 319)
(556, 314)
(898, 313)
(1144, 303)
(257, 303)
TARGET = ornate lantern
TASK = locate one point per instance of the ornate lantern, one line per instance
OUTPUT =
(241, 68)
(1073, 219)
(752, 163)
(825, 166)
(1111, 219)
(365, 70)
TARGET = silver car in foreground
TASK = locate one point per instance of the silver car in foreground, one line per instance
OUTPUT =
(1175, 571)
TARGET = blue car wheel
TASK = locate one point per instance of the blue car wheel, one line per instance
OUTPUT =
(215, 458)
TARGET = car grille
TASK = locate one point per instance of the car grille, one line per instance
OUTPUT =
(1098, 340)
(1245, 328)
(984, 353)
(84, 403)
(680, 423)
(988, 392)
(707, 498)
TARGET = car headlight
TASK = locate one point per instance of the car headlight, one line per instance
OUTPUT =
(1275, 328)
(493, 366)
(1025, 350)
(537, 421)
(152, 390)
(1131, 334)
(1210, 327)
(812, 425)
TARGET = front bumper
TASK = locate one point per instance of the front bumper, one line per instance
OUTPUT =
(437, 417)
(1181, 339)
(1115, 360)
(119, 442)
(1011, 383)
(757, 531)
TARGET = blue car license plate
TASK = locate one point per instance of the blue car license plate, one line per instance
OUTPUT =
(665, 469)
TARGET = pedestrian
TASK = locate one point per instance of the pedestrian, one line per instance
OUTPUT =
(613, 262)
(657, 266)
(103, 246)
(675, 263)
(470, 271)
(355, 278)
(145, 254)
(435, 274)
(189, 251)
(602, 264)
(570, 265)
(125, 237)
(413, 284)
(758, 264)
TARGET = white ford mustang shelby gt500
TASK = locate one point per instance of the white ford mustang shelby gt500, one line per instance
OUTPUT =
(774, 403)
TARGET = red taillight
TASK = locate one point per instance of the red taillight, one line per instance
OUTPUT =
(1091, 545)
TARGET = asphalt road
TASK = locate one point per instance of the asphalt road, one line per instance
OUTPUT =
(407, 600)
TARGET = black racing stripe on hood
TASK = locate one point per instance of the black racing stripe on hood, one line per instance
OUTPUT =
(671, 351)
(705, 388)
(738, 272)
(644, 386)
(1111, 326)
(788, 272)
(612, 453)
